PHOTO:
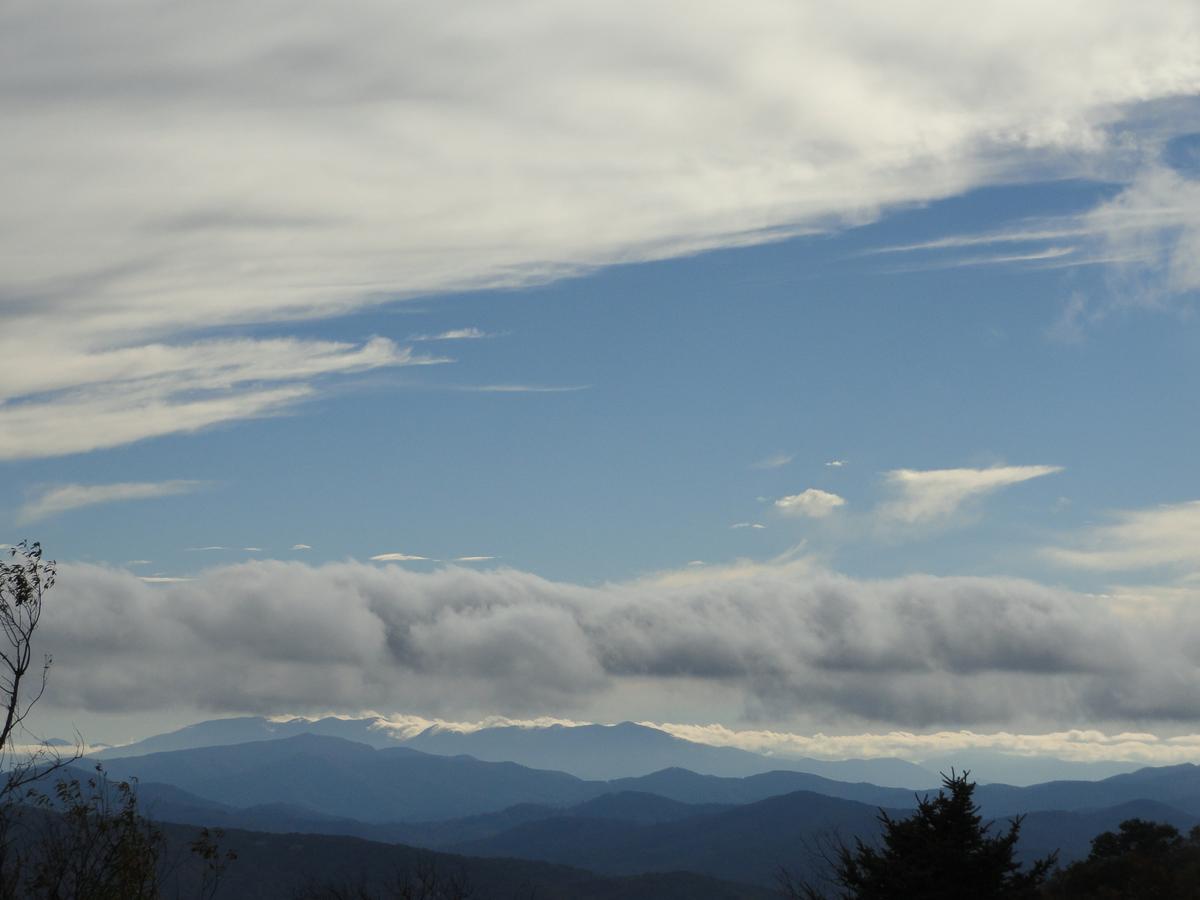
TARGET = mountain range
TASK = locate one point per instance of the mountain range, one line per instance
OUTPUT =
(594, 752)
(734, 829)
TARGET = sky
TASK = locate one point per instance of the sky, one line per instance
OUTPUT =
(770, 369)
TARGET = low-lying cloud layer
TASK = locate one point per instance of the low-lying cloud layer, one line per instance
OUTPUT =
(1078, 745)
(784, 642)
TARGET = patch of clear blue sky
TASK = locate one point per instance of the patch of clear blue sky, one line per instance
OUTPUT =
(696, 368)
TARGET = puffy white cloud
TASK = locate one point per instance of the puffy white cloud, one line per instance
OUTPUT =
(169, 169)
(931, 494)
(1138, 539)
(813, 503)
(784, 641)
(61, 498)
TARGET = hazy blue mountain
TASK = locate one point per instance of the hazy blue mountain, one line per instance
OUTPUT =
(604, 752)
(1177, 786)
(170, 804)
(1071, 832)
(689, 787)
(334, 777)
(987, 767)
(754, 841)
(594, 752)
(351, 780)
(343, 778)
(248, 729)
(639, 808)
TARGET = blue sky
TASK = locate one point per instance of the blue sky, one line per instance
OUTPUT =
(797, 370)
(666, 402)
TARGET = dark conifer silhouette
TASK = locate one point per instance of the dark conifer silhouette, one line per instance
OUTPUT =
(944, 851)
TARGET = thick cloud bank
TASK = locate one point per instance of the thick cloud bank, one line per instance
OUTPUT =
(789, 642)
(171, 167)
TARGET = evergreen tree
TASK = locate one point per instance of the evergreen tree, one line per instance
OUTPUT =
(944, 851)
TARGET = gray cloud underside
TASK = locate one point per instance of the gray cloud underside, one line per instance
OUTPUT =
(787, 640)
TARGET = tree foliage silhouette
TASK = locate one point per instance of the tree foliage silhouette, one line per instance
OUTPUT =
(24, 581)
(85, 839)
(944, 851)
(1140, 861)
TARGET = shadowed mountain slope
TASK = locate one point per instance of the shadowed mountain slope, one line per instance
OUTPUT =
(751, 843)
(274, 866)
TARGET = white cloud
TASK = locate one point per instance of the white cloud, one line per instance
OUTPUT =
(167, 170)
(398, 557)
(301, 547)
(455, 334)
(782, 642)
(991, 259)
(252, 549)
(775, 461)
(755, 525)
(1152, 229)
(932, 494)
(61, 498)
(523, 388)
(472, 558)
(813, 503)
(209, 549)
(836, 463)
(1079, 745)
(1149, 233)
(93, 400)
(1035, 234)
(1138, 539)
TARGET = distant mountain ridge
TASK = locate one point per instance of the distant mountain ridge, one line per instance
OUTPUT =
(624, 750)
(344, 778)
(736, 829)
(592, 752)
(627, 749)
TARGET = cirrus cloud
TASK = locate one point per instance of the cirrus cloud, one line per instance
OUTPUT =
(169, 170)
(933, 494)
(61, 498)
(1167, 535)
